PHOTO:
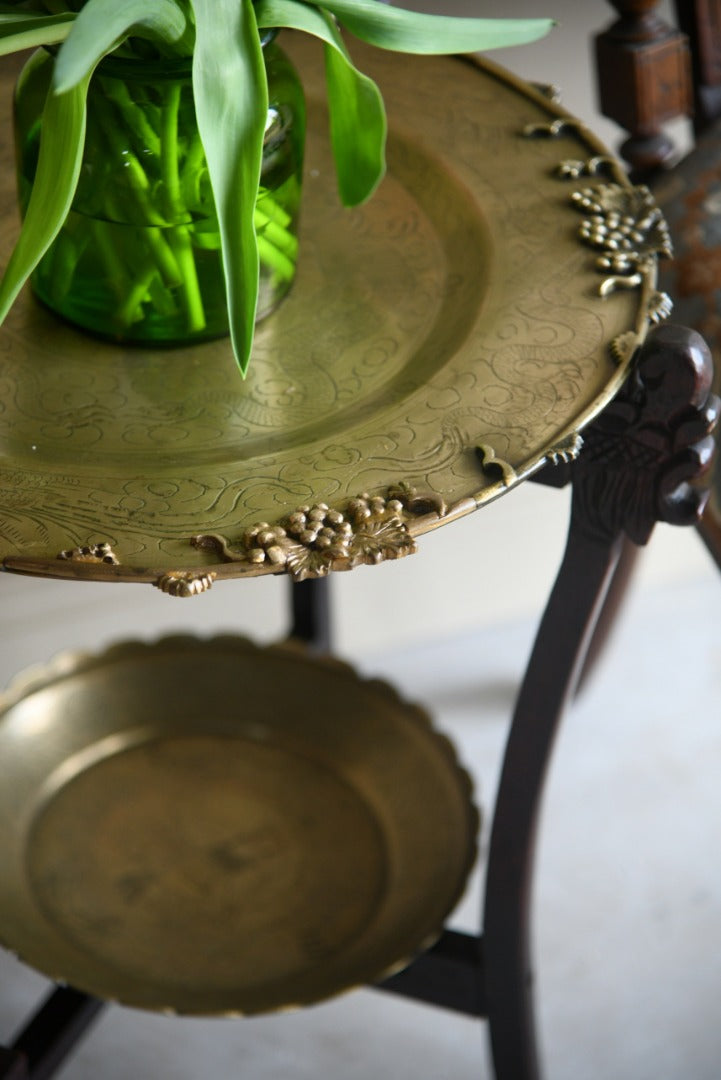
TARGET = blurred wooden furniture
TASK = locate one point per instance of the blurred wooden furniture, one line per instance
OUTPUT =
(644, 80)
(650, 73)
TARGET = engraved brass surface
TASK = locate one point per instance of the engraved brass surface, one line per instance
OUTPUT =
(458, 309)
(212, 827)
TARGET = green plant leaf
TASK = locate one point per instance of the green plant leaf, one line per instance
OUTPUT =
(357, 114)
(28, 31)
(102, 24)
(61, 151)
(415, 32)
(231, 103)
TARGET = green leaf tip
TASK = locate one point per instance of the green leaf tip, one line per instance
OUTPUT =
(358, 124)
(231, 102)
(61, 152)
(102, 25)
(400, 30)
(27, 32)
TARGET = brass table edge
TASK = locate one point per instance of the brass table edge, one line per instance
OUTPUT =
(620, 222)
(309, 543)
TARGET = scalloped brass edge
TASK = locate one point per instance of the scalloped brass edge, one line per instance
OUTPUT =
(565, 450)
(185, 583)
(624, 346)
(73, 662)
(497, 466)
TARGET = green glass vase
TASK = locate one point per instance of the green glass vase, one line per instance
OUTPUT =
(138, 258)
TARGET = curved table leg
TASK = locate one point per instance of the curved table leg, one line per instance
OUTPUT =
(638, 465)
(560, 647)
(616, 596)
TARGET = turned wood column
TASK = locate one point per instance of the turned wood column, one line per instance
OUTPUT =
(700, 20)
(644, 80)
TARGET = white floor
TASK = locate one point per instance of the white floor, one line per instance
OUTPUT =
(628, 899)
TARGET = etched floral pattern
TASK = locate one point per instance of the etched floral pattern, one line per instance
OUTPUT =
(455, 310)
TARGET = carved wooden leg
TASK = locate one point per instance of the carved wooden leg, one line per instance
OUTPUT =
(637, 467)
(644, 80)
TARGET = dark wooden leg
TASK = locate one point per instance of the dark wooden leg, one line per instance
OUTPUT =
(618, 590)
(310, 612)
(638, 466)
(41, 1047)
(560, 646)
(710, 530)
(12, 1066)
(449, 975)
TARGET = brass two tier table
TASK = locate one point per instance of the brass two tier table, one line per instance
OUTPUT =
(483, 320)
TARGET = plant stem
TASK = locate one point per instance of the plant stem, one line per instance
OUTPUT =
(273, 210)
(146, 197)
(275, 234)
(180, 237)
(131, 309)
(194, 169)
(275, 259)
(169, 153)
(137, 120)
(116, 273)
(164, 255)
(161, 298)
(66, 254)
(195, 312)
(137, 179)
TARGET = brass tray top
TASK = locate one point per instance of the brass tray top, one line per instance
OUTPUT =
(440, 344)
(210, 827)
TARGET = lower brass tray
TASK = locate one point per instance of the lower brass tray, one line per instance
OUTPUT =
(211, 827)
